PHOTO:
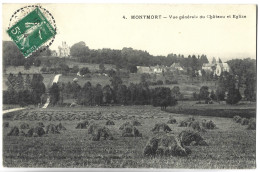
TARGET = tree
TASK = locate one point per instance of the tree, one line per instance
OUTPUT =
(102, 68)
(115, 82)
(27, 65)
(79, 49)
(214, 60)
(176, 92)
(233, 96)
(107, 94)
(86, 95)
(84, 71)
(54, 92)
(220, 94)
(37, 62)
(75, 69)
(213, 95)
(38, 88)
(11, 82)
(132, 68)
(98, 94)
(204, 93)
(121, 94)
(161, 96)
(75, 89)
(19, 84)
(12, 56)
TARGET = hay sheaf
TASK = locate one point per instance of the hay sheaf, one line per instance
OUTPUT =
(14, 132)
(251, 124)
(60, 127)
(244, 121)
(35, 132)
(6, 124)
(161, 127)
(51, 129)
(195, 125)
(136, 123)
(40, 124)
(237, 119)
(186, 122)
(110, 122)
(101, 133)
(131, 131)
(165, 145)
(82, 125)
(188, 138)
(208, 124)
(92, 128)
(126, 124)
(172, 121)
(24, 126)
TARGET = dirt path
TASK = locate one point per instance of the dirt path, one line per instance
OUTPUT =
(55, 80)
(12, 110)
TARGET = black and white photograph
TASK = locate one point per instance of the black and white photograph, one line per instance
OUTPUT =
(140, 86)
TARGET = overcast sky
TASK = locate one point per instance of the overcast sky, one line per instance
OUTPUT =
(102, 26)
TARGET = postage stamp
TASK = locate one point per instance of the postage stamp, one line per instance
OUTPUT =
(31, 32)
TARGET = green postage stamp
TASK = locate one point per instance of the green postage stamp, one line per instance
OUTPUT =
(31, 32)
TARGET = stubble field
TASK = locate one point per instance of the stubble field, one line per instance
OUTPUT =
(230, 145)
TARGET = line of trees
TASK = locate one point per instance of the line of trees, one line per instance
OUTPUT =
(130, 58)
(24, 91)
(115, 93)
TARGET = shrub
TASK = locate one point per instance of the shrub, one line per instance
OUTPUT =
(161, 127)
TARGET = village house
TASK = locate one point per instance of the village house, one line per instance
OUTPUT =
(150, 70)
(158, 69)
(144, 69)
(176, 66)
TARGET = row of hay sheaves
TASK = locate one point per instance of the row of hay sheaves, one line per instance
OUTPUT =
(163, 142)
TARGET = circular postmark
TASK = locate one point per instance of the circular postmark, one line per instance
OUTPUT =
(21, 13)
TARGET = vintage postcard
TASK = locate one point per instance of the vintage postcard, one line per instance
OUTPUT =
(129, 86)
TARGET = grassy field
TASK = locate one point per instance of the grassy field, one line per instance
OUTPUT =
(244, 109)
(231, 145)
